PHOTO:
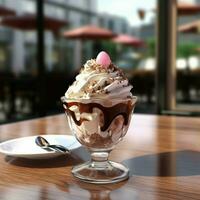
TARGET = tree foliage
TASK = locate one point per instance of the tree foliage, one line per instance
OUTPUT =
(151, 48)
(185, 49)
(110, 47)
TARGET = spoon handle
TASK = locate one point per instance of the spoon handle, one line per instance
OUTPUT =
(49, 148)
(59, 148)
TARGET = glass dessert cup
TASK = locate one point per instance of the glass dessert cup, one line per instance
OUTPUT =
(99, 124)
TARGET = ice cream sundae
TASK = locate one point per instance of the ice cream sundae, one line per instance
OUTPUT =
(99, 104)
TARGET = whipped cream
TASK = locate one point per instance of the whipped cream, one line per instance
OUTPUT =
(98, 81)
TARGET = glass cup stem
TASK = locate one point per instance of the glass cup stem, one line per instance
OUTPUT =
(99, 160)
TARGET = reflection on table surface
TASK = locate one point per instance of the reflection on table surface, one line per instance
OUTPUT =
(162, 153)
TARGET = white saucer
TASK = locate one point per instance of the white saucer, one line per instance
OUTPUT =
(26, 147)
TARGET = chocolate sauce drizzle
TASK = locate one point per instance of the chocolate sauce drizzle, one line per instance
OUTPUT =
(110, 113)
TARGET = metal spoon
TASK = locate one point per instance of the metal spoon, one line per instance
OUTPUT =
(42, 142)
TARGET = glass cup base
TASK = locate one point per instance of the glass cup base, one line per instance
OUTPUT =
(101, 172)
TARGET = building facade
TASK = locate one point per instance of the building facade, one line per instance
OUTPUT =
(115, 23)
(21, 46)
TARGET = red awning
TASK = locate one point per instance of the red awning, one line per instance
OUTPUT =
(89, 32)
(188, 9)
(6, 11)
(192, 27)
(128, 40)
(28, 22)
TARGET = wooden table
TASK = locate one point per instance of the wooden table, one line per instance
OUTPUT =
(163, 154)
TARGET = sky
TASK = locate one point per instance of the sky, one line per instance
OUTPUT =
(128, 9)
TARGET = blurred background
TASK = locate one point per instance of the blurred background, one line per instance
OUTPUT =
(43, 45)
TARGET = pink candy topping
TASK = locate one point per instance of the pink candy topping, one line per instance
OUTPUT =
(103, 59)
